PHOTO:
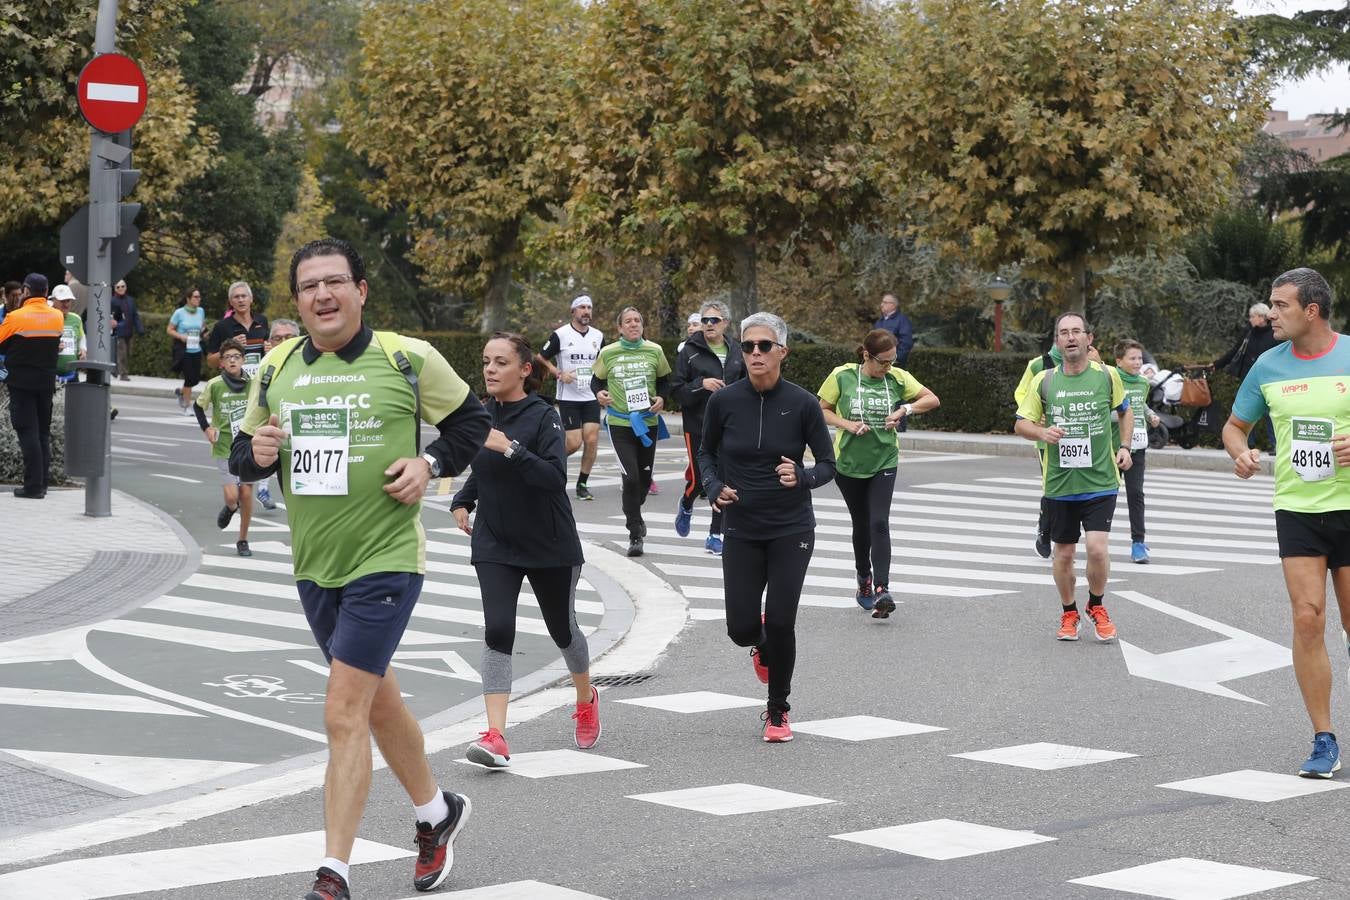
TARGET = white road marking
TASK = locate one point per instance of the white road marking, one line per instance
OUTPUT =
(730, 799)
(1261, 787)
(225, 641)
(943, 839)
(1043, 756)
(1185, 878)
(118, 703)
(273, 618)
(136, 774)
(175, 478)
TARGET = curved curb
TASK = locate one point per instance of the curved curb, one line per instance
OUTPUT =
(652, 615)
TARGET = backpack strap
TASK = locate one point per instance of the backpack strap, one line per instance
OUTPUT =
(265, 379)
(392, 345)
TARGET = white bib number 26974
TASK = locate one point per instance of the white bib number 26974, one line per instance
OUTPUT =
(1310, 448)
(1075, 452)
(319, 444)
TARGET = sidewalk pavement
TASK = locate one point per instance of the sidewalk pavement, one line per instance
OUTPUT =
(1201, 458)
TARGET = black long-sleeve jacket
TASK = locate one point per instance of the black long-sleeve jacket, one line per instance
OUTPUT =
(695, 363)
(745, 434)
(524, 517)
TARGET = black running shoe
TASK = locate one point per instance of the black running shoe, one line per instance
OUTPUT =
(436, 846)
(882, 603)
(328, 885)
(635, 547)
(584, 493)
(1043, 546)
(241, 547)
(224, 516)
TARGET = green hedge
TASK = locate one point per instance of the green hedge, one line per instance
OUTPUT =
(975, 387)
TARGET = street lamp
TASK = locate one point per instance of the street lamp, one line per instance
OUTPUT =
(998, 290)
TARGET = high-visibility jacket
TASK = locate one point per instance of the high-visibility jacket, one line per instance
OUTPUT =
(30, 339)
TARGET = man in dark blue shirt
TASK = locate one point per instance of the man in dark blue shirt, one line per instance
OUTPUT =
(898, 324)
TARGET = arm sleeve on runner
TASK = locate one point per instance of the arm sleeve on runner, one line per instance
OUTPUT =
(462, 436)
(552, 347)
(545, 466)
(598, 384)
(467, 495)
(707, 450)
(202, 423)
(663, 384)
(822, 448)
(241, 460)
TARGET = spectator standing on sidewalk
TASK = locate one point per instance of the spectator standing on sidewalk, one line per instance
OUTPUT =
(1238, 361)
(358, 549)
(30, 341)
(519, 477)
(126, 326)
(898, 324)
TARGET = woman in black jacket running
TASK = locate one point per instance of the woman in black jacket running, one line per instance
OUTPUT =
(706, 363)
(524, 529)
(755, 435)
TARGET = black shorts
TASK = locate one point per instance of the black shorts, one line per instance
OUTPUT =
(192, 369)
(575, 412)
(1064, 518)
(1315, 534)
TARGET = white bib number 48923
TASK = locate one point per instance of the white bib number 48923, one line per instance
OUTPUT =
(319, 444)
(637, 398)
(1310, 448)
(1075, 452)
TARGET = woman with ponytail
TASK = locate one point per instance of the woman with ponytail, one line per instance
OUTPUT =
(523, 529)
(866, 401)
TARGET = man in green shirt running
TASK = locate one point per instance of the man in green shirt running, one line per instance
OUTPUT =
(1070, 408)
(1303, 384)
(338, 414)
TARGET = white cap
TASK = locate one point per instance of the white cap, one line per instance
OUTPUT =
(583, 300)
(696, 318)
(62, 292)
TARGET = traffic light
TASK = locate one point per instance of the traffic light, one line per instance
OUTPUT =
(112, 183)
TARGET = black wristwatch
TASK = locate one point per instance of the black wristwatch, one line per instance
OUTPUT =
(434, 463)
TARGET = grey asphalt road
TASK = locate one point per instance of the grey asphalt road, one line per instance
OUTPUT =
(967, 666)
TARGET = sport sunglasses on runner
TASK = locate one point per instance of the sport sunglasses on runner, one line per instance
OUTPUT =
(711, 320)
(764, 346)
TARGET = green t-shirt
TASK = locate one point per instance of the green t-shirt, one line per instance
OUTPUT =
(861, 398)
(630, 372)
(337, 538)
(1308, 400)
(720, 351)
(71, 335)
(1082, 465)
(225, 407)
(1136, 389)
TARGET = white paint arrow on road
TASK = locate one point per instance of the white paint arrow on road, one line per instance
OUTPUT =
(1203, 668)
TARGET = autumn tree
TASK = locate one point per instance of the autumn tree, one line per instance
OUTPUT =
(719, 133)
(44, 171)
(1060, 133)
(454, 105)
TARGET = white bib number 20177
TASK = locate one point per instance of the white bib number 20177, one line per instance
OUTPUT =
(319, 444)
(1310, 448)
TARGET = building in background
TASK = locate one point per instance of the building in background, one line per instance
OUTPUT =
(1311, 135)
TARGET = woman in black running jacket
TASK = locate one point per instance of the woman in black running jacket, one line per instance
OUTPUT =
(755, 434)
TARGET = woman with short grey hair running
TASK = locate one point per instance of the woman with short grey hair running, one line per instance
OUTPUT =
(755, 435)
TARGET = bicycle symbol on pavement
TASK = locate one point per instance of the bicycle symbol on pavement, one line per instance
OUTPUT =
(263, 687)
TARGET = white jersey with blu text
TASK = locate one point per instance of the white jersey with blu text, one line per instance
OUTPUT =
(574, 352)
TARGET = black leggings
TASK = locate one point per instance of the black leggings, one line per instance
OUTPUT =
(1134, 493)
(693, 481)
(748, 567)
(636, 462)
(500, 586)
(869, 506)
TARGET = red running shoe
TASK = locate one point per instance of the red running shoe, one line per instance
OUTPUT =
(587, 718)
(1101, 623)
(328, 885)
(436, 846)
(776, 728)
(1068, 626)
(761, 670)
(489, 750)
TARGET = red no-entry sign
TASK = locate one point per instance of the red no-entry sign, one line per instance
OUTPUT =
(112, 92)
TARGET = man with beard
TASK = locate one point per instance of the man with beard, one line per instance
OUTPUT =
(569, 355)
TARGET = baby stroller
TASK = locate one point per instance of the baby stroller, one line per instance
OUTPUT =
(1165, 397)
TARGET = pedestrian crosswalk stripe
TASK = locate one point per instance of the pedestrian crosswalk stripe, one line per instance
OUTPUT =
(183, 867)
(1007, 504)
(943, 838)
(696, 592)
(1186, 487)
(225, 641)
(731, 799)
(516, 890)
(1153, 500)
(133, 774)
(851, 584)
(1185, 878)
(274, 618)
(115, 703)
(1260, 787)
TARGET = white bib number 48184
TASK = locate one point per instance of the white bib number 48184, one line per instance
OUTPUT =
(319, 444)
(1310, 448)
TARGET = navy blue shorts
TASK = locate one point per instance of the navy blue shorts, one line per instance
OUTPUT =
(361, 623)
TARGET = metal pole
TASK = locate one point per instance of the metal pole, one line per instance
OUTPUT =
(998, 326)
(103, 189)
